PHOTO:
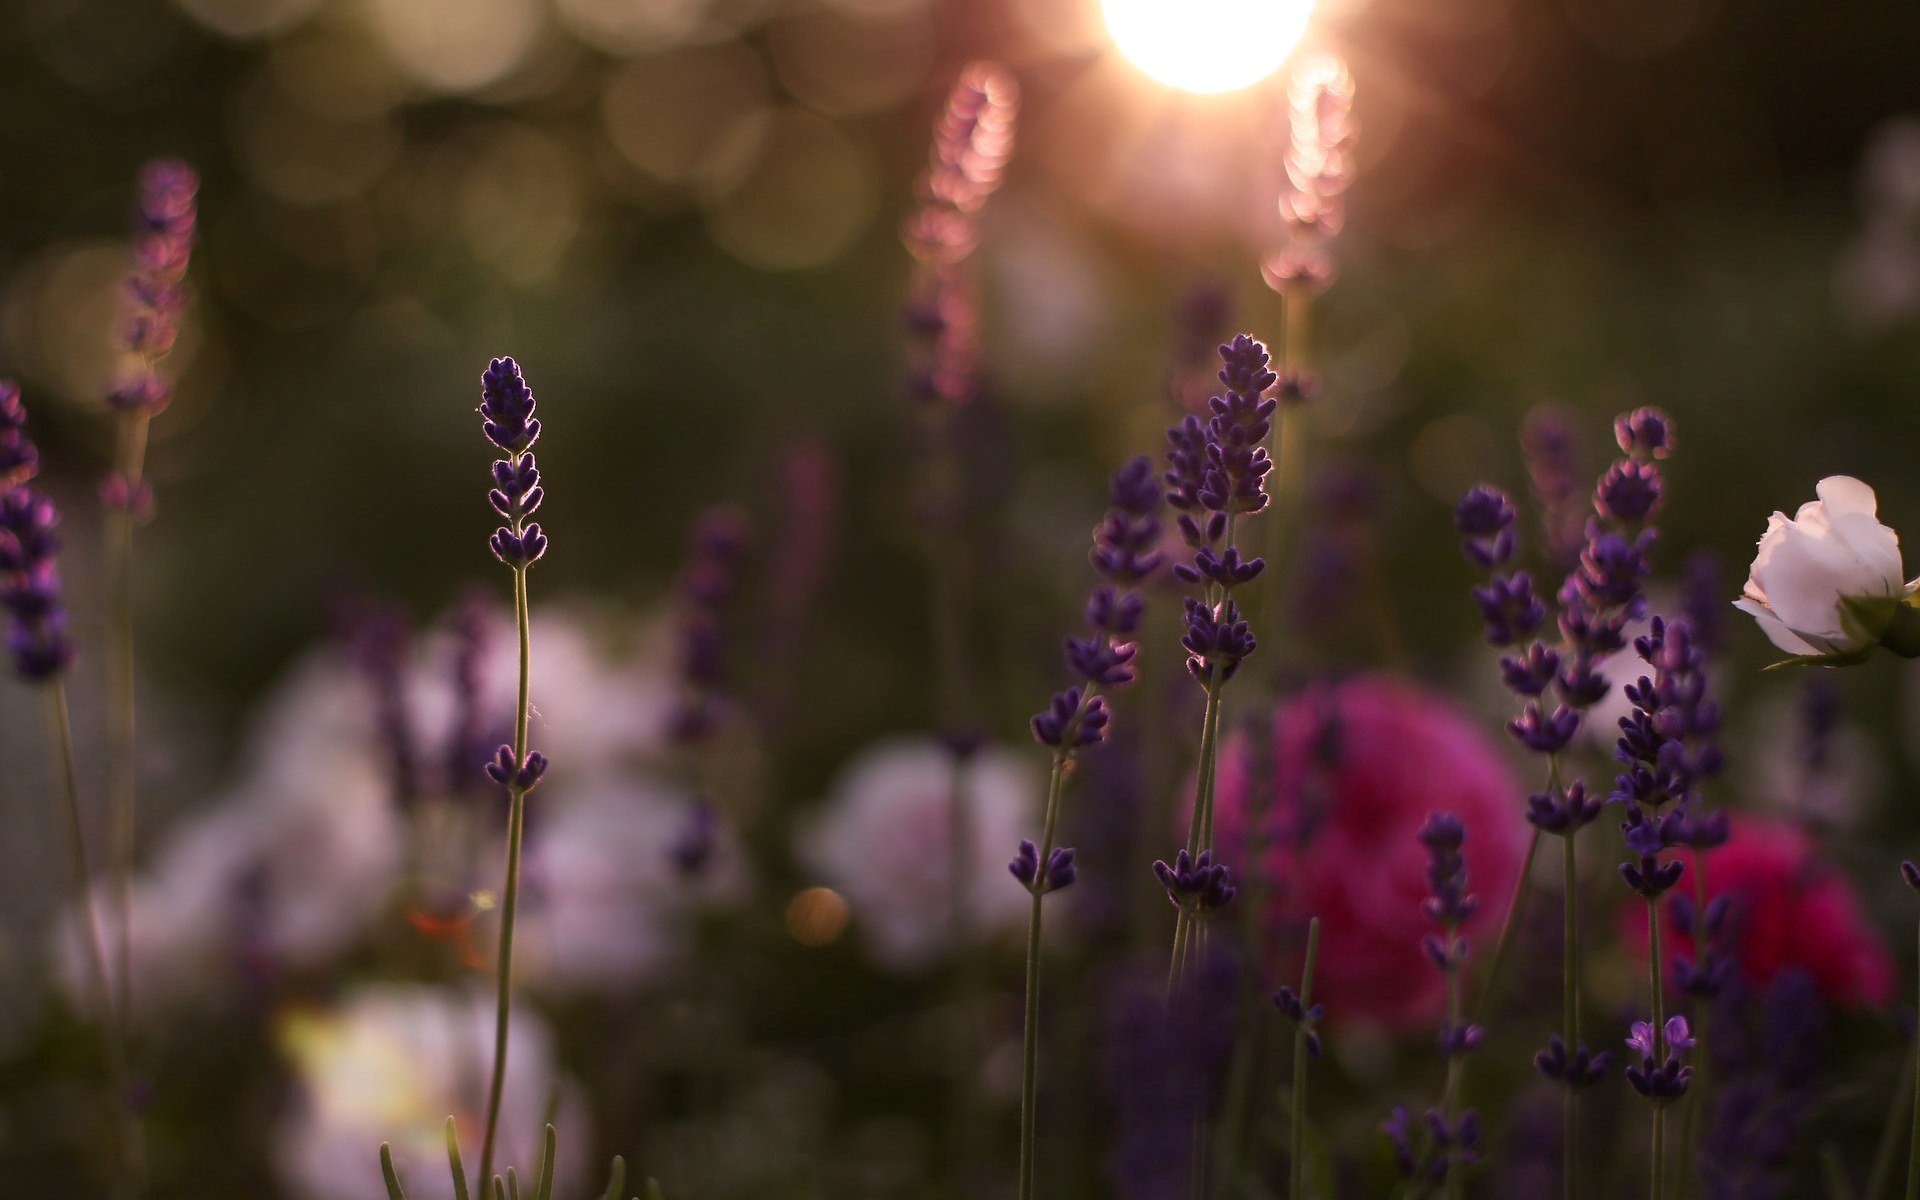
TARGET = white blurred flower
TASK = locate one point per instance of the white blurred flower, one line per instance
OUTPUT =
(1827, 581)
(280, 874)
(390, 1064)
(883, 843)
(604, 906)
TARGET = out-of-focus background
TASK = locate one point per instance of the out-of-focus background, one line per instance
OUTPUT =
(682, 216)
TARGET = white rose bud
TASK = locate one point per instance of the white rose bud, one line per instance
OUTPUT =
(1826, 583)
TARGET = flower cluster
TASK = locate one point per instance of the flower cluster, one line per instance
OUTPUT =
(1059, 873)
(506, 412)
(1216, 472)
(1455, 1146)
(29, 575)
(1767, 1054)
(1123, 556)
(1662, 1074)
(1448, 905)
(1665, 754)
(162, 245)
(972, 142)
(1319, 167)
(1550, 441)
(1308, 1018)
(715, 547)
(1196, 882)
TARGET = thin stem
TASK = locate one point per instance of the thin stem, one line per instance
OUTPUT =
(966, 978)
(1881, 1173)
(130, 454)
(1030, 1046)
(510, 892)
(1200, 824)
(1297, 1143)
(1659, 1177)
(112, 1024)
(1521, 888)
(1570, 1015)
(1450, 1097)
(1913, 1146)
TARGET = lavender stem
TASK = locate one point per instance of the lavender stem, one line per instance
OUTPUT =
(122, 789)
(1521, 889)
(1882, 1169)
(1570, 1011)
(1657, 1187)
(1296, 1143)
(1030, 1051)
(1913, 1150)
(510, 892)
(113, 1019)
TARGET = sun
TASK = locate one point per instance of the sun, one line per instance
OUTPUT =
(1207, 45)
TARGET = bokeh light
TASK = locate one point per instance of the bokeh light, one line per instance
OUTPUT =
(1207, 45)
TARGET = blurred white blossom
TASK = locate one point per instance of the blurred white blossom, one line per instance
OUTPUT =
(882, 841)
(390, 1064)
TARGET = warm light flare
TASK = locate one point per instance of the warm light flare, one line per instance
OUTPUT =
(1207, 45)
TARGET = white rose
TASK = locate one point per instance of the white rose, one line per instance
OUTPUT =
(1827, 582)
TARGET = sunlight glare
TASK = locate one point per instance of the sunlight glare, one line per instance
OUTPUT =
(1207, 46)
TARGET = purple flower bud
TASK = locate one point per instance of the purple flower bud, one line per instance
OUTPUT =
(1198, 884)
(1544, 733)
(1644, 433)
(1910, 873)
(1629, 492)
(1509, 608)
(1484, 517)
(1530, 674)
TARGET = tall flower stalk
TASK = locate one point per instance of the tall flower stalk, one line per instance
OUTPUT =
(1216, 473)
(506, 412)
(155, 298)
(1299, 1008)
(41, 652)
(1452, 1137)
(972, 142)
(1123, 555)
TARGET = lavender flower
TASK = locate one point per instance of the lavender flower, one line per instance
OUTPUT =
(1319, 167)
(37, 638)
(379, 641)
(1196, 883)
(1662, 1074)
(1550, 441)
(1766, 1052)
(155, 296)
(972, 142)
(715, 547)
(1122, 555)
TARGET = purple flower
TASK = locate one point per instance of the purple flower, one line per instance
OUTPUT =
(36, 637)
(1196, 883)
(1448, 903)
(1509, 608)
(506, 416)
(1660, 1078)
(1288, 1002)
(1550, 440)
(1644, 433)
(519, 776)
(1485, 519)
(716, 544)
(155, 297)
(1578, 1068)
(1543, 732)
(379, 641)
(1530, 673)
(1060, 871)
(1216, 642)
(1123, 555)
(1561, 810)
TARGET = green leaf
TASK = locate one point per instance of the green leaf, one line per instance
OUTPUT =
(499, 1188)
(454, 1164)
(616, 1179)
(653, 1190)
(543, 1179)
(394, 1190)
(513, 1185)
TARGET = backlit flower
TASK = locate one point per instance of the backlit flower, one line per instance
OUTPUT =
(1826, 582)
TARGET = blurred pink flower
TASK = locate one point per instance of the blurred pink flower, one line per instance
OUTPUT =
(1356, 767)
(1791, 908)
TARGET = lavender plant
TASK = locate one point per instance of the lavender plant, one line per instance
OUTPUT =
(1451, 1141)
(1123, 555)
(155, 298)
(1216, 473)
(1299, 1008)
(38, 644)
(716, 544)
(506, 413)
(1601, 595)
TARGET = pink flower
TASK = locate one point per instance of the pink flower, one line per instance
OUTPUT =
(1791, 908)
(1357, 766)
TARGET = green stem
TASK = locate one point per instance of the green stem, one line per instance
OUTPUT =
(1657, 1187)
(130, 453)
(1450, 1097)
(1521, 888)
(1030, 1044)
(112, 1022)
(1913, 1146)
(510, 892)
(1881, 1173)
(1297, 1143)
(1570, 1014)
